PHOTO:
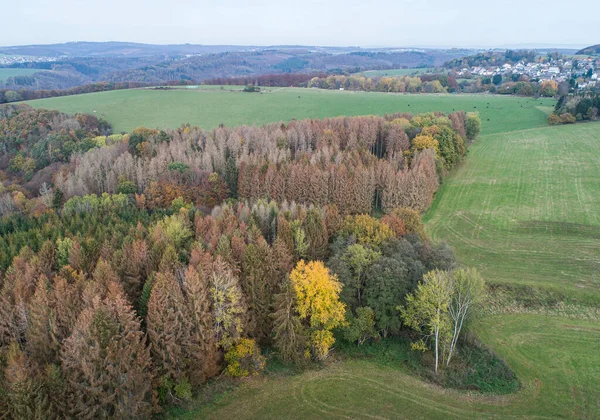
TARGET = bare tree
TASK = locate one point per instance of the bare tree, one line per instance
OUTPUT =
(467, 288)
(46, 194)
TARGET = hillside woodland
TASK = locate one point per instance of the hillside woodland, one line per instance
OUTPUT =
(153, 261)
(175, 66)
(591, 50)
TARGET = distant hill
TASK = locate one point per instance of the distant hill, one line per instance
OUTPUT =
(82, 63)
(593, 50)
(116, 49)
(133, 49)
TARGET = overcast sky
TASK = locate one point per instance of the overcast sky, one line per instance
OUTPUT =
(466, 23)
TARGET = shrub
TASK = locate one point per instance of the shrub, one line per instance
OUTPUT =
(567, 118)
(244, 359)
(473, 125)
(554, 119)
(361, 327)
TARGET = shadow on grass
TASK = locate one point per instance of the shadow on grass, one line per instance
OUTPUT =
(473, 367)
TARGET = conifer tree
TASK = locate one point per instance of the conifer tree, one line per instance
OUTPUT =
(231, 175)
(31, 394)
(133, 267)
(169, 263)
(65, 305)
(104, 275)
(196, 286)
(258, 282)
(175, 352)
(284, 234)
(289, 334)
(47, 259)
(106, 362)
(40, 346)
(316, 235)
(18, 385)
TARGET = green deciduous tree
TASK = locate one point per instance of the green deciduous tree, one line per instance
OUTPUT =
(427, 309)
(361, 327)
(351, 268)
(473, 125)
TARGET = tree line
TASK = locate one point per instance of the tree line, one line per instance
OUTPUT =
(12, 95)
(427, 83)
(574, 108)
(267, 80)
(380, 162)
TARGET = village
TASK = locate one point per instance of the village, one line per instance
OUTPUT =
(581, 73)
(9, 60)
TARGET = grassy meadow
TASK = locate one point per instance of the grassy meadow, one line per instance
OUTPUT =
(524, 206)
(5, 73)
(207, 108)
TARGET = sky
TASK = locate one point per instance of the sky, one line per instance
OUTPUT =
(376, 23)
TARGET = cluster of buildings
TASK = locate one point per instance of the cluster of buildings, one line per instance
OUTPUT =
(7, 60)
(585, 71)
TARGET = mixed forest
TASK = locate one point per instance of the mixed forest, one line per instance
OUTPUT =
(137, 267)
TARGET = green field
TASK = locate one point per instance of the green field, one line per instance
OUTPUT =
(128, 109)
(395, 72)
(556, 360)
(5, 73)
(524, 208)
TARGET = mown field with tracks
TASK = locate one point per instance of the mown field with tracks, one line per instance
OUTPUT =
(557, 361)
(523, 208)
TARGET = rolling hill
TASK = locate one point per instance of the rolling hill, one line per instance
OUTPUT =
(591, 50)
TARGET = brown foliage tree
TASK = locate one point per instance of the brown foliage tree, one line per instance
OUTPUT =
(176, 350)
(316, 235)
(106, 362)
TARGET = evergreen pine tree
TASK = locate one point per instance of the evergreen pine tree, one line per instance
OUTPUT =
(289, 335)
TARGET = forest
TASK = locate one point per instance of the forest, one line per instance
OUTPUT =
(187, 63)
(153, 261)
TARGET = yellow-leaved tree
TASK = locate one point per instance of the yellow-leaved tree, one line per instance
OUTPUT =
(422, 142)
(318, 305)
